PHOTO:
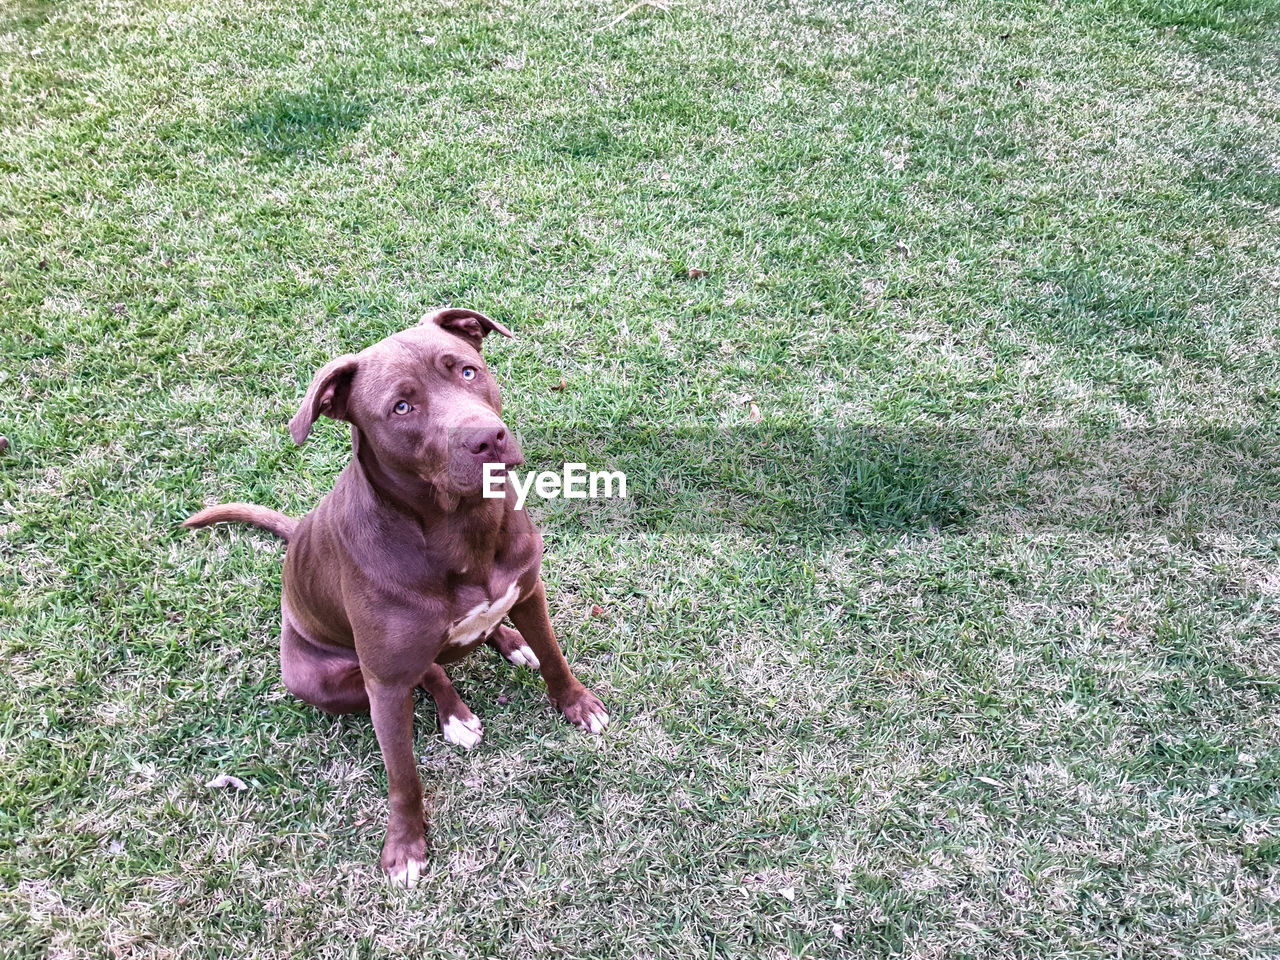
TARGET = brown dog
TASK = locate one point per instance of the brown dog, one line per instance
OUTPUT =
(404, 566)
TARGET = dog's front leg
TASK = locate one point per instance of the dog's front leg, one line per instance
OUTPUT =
(579, 705)
(404, 851)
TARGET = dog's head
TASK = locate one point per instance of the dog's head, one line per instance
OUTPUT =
(423, 401)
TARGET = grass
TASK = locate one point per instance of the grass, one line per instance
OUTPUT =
(970, 647)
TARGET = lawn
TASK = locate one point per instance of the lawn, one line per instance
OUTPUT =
(963, 642)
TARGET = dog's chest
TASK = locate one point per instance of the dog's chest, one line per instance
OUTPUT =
(480, 620)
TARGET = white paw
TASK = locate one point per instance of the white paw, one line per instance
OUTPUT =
(522, 656)
(407, 876)
(595, 721)
(463, 732)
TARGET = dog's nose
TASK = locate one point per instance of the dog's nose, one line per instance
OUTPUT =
(490, 443)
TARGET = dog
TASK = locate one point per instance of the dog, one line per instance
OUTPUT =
(404, 567)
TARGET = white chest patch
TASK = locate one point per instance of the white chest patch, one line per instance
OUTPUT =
(480, 620)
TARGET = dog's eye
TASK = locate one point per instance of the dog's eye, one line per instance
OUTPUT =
(468, 373)
(403, 407)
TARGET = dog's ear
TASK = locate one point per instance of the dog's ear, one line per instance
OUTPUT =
(327, 396)
(468, 324)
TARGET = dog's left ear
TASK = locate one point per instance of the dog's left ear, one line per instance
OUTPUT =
(468, 324)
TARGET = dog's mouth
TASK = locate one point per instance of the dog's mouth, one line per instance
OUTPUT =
(507, 462)
(467, 477)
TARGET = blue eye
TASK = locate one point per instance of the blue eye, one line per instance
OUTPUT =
(468, 373)
(402, 408)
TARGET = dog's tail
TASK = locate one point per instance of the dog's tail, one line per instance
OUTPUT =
(270, 520)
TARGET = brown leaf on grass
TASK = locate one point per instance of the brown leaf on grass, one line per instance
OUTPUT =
(597, 610)
(754, 415)
(4, 444)
(559, 386)
(226, 780)
(696, 273)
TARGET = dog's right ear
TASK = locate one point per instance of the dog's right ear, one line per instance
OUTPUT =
(327, 396)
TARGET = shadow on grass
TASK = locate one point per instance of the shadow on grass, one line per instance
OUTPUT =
(812, 483)
(27, 14)
(780, 480)
(1240, 171)
(1083, 310)
(1236, 17)
(287, 124)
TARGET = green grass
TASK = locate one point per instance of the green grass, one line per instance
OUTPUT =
(970, 648)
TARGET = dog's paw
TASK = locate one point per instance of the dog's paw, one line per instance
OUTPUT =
(587, 713)
(511, 645)
(523, 656)
(407, 876)
(404, 863)
(462, 732)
